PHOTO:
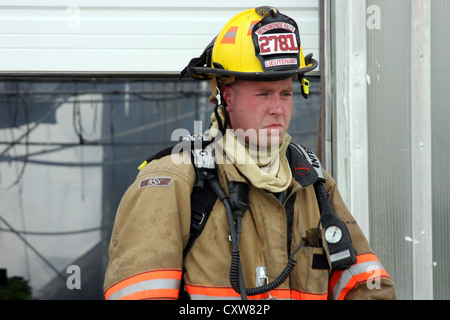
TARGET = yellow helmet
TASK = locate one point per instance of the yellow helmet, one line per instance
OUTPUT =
(256, 44)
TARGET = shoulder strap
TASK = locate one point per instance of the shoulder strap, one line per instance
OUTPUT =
(203, 199)
(341, 254)
(202, 196)
(305, 166)
(158, 155)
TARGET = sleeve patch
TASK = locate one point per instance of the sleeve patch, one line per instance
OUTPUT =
(156, 182)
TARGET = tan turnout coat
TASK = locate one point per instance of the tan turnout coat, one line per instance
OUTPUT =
(152, 227)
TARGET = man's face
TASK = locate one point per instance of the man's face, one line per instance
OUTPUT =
(264, 107)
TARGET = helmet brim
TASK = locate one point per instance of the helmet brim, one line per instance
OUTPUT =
(208, 73)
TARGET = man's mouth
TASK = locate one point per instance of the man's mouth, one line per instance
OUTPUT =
(274, 126)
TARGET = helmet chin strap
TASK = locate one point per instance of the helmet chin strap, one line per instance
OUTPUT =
(221, 103)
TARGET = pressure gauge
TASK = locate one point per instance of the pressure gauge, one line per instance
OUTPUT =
(333, 234)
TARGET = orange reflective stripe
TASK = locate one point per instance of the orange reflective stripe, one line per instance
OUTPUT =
(250, 29)
(228, 293)
(355, 281)
(163, 283)
(359, 259)
(230, 35)
(367, 268)
(168, 294)
(211, 292)
(366, 258)
(292, 294)
(334, 279)
(298, 295)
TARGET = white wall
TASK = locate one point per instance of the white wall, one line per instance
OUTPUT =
(119, 36)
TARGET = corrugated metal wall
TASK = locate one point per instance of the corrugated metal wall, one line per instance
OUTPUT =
(389, 152)
(131, 36)
(390, 86)
(440, 116)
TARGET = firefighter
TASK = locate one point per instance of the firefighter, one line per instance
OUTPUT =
(270, 232)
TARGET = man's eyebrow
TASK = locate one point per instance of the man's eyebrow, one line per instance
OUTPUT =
(271, 88)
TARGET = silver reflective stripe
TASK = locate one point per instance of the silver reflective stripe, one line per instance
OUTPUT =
(346, 276)
(230, 34)
(146, 285)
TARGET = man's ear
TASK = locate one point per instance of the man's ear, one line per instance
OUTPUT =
(227, 95)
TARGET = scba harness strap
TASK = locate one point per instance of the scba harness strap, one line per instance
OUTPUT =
(306, 169)
(341, 251)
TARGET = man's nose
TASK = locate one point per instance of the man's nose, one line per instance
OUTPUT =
(275, 105)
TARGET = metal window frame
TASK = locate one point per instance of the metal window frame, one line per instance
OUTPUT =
(421, 149)
(346, 147)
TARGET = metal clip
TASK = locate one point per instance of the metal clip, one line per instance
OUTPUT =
(204, 158)
(270, 297)
(268, 292)
(262, 279)
(218, 98)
